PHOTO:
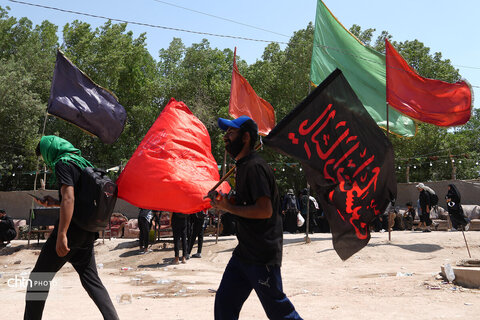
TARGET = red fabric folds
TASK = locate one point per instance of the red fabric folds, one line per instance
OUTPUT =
(173, 167)
(245, 102)
(427, 100)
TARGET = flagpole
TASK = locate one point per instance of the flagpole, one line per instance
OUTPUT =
(219, 212)
(35, 184)
(229, 173)
(469, 255)
(307, 226)
(388, 137)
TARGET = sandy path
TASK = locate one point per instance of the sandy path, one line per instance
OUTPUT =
(319, 284)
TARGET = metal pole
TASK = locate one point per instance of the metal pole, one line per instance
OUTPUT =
(35, 186)
(307, 226)
(388, 137)
(469, 255)
(224, 168)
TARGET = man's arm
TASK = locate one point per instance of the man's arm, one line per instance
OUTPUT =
(262, 209)
(66, 213)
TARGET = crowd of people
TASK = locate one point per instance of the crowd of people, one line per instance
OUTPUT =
(427, 202)
(297, 209)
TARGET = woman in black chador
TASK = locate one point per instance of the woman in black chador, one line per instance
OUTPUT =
(459, 221)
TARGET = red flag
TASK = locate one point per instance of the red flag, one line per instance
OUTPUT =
(427, 100)
(173, 167)
(245, 102)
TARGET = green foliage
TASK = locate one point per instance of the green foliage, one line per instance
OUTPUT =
(19, 132)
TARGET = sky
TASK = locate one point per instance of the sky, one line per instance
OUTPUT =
(449, 27)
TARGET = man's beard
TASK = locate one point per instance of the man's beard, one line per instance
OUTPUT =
(235, 146)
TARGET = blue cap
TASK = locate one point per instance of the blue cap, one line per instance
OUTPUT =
(224, 124)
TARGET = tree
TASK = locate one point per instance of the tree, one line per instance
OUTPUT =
(26, 64)
(20, 113)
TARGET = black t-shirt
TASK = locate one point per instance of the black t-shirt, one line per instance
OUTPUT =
(260, 241)
(69, 174)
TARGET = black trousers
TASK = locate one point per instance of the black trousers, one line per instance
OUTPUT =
(179, 229)
(290, 223)
(197, 231)
(7, 235)
(48, 263)
(144, 227)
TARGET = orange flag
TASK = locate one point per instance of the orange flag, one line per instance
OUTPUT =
(427, 100)
(245, 102)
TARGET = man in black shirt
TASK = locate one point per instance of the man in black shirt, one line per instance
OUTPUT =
(68, 241)
(256, 260)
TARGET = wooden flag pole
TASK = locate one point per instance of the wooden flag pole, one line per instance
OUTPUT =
(388, 137)
(307, 223)
(35, 184)
(469, 255)
(229, 173)
(224, 168)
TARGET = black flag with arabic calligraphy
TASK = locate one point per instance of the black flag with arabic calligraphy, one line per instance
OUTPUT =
(347, 159)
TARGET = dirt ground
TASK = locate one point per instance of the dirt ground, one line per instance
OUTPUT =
(395, 279)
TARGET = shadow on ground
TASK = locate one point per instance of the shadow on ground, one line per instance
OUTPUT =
(418, 247)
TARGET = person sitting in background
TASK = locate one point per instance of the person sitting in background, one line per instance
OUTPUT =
(409, 216)
(7, 228)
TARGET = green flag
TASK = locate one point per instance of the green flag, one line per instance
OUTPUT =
(365, 69)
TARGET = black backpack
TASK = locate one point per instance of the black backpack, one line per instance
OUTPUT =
(433, 199)
(95, 198)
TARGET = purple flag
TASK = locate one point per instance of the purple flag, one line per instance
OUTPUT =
(75, 98)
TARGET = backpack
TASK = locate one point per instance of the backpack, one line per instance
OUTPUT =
(95, 198)
(433, 199)
(291, 202)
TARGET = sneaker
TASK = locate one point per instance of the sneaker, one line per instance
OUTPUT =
(427, 230)
(187, 257)
(467, 226)
(197, 255)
